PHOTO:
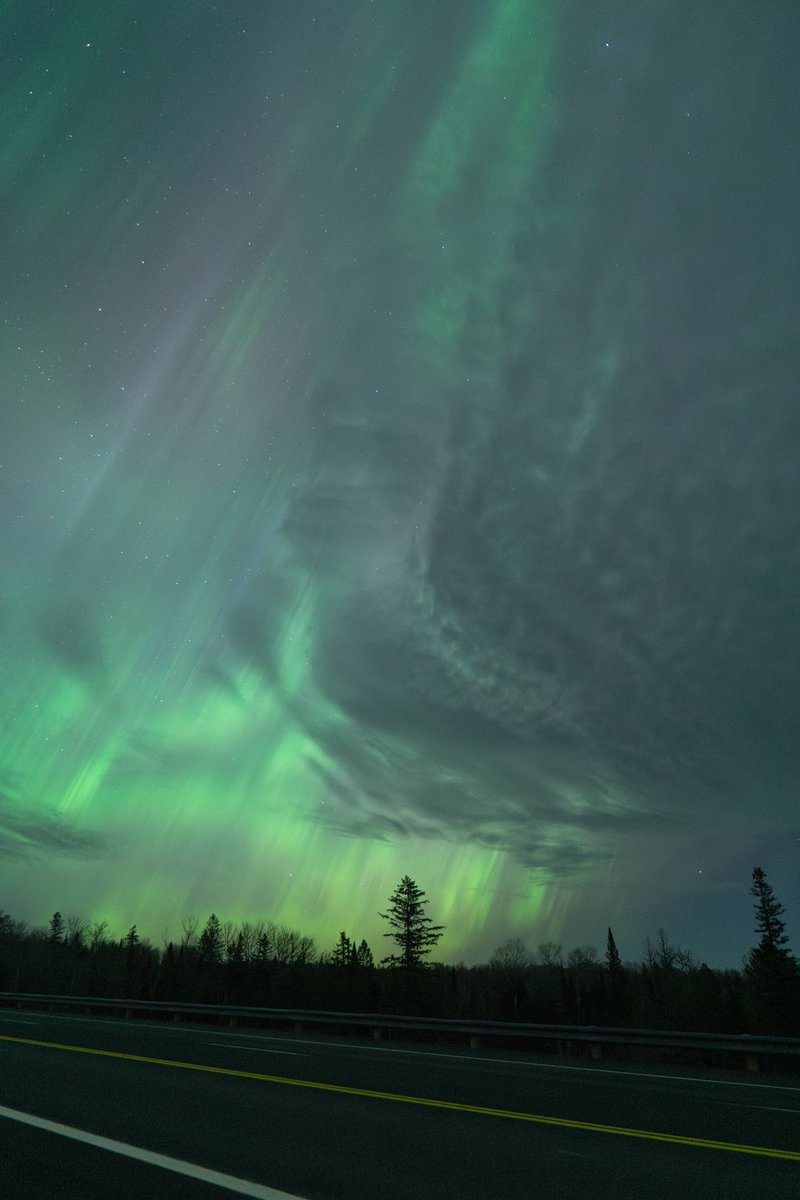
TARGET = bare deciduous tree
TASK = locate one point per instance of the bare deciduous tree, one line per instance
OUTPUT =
(189, 926)
(97, 934)
(582, 956)
(550, 954)
(77, 928)
(510, 955)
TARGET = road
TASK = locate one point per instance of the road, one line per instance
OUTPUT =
(325, 1119)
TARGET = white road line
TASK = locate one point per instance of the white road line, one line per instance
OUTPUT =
(258, 1049)
(523, 1062)
(18, 1020)
(242, 1187)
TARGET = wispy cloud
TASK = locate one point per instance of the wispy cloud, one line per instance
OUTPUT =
(35, 833)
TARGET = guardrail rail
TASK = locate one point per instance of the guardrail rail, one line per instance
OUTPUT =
(748, 1048)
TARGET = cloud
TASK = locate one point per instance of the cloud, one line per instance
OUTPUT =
(569, 603)
(37, 833)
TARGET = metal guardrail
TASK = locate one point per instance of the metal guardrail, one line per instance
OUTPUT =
(749, 1045)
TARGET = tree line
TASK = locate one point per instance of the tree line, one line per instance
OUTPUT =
(262, 963)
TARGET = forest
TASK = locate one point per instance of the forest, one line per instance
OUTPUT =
(261, 963)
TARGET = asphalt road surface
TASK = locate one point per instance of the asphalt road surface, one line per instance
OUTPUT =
(93, 1107)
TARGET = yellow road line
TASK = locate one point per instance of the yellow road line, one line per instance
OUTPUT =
(452, 1105)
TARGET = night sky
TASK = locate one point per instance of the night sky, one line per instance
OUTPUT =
(400, 465)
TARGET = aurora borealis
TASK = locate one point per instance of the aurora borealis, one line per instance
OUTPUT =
(400, 465)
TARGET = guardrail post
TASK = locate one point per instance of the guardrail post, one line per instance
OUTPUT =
(596, 1051)
(232, 1022)
(474, 1042)
(376, 1035)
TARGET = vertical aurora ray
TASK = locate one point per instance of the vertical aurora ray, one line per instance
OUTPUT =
(108, 729)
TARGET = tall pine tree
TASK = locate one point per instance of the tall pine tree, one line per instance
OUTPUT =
(771, 968)
(212, 943)
(343, 950)
(412, 930)
(613, 960)
(617, 1000)
(364, 955)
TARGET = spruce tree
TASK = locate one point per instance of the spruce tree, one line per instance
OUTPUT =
(342, 953)
(768, 916)
(364, 953)
(617, 999)
(412, 930)
(235, 949)
(613, 960)
(770, 967)
(211, 939)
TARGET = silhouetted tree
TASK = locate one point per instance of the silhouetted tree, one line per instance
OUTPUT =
(771, 968)
(550, 954)
(613, 960)
(289, 946)
(768, 916)
(97, 935)
(343, 951)
(131, 944)
(234, 950)
(617, 992)
(509, 961)
(211, 940)
(668, 973)
(364, 955)
(7, 932)
(56, 929)
(168, 974)
(189, 925)
(412, 930)
(510, 956)
(582, 957)
(76, 930)
(227, 931)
